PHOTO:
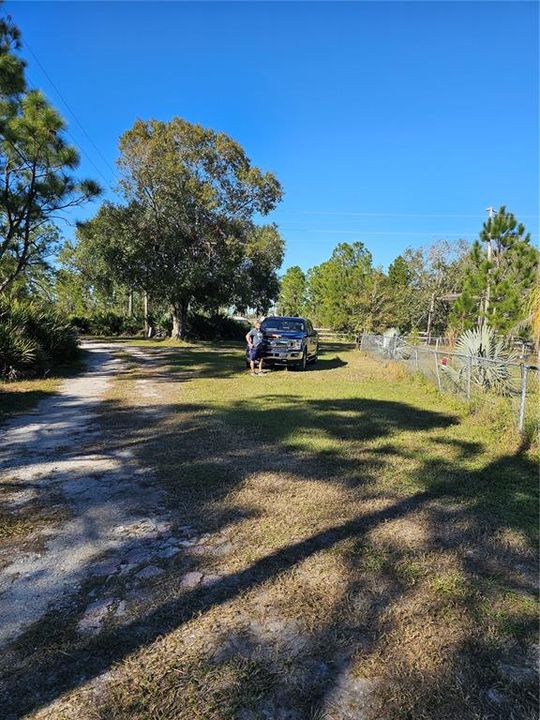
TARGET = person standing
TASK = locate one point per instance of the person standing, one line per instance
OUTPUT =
(255, 341)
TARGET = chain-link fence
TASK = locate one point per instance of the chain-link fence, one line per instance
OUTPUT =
(469, 376)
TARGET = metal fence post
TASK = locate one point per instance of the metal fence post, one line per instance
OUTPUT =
(523, 399)
(469, 374)
(416, 358)
(362, 342)
(437, 372)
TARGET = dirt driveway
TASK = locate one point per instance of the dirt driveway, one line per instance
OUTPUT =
(107, 505)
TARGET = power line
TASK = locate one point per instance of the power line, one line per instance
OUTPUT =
(82, 150)
(391, 214)
(378, 232)
(70, 109)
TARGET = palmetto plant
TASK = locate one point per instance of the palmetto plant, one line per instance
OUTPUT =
(32, 339)
(481, 353)
(17, 353)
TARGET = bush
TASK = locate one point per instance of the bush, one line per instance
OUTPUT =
(107, 322)
(33, 339)
(216, 327)
(199, 326)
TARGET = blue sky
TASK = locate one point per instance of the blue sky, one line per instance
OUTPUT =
(393, 123)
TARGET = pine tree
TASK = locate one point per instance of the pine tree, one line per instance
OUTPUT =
(499, 276)
(292, 295)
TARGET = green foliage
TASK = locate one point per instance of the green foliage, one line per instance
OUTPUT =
(216, 327)
(347, 293)
(293, 293)
(107, 322)
(338, 289)
(255, 282)
(185, 235)
(188, 233)
(399, 272)
(495, 288)
(18, 354)
(32, 339)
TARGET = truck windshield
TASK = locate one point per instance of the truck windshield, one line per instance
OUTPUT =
(283, 324)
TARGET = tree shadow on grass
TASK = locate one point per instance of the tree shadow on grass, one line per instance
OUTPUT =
(186, 363)
(458, 570)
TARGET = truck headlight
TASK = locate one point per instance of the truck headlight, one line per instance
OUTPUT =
(296, 344)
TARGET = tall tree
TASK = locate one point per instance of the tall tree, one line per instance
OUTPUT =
(199, 193)
(500, 273)
(256, 281)
(338, 289)
(399, 290)
(292, 294)
(35, 166)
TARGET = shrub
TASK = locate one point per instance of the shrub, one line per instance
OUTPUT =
(216, 327)
(107, 322)
(485, 354)
(32, 339)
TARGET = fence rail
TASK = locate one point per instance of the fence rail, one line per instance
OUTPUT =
(327, 334)
(525, 348)
(465, 375)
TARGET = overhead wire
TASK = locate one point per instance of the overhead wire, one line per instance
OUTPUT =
(70, 109)
(392, 214)
(68, 132)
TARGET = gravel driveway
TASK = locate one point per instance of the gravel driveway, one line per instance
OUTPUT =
(114, 518)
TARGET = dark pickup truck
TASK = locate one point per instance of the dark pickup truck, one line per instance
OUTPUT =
(289, 341)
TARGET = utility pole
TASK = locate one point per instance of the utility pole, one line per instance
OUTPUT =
(491, 213)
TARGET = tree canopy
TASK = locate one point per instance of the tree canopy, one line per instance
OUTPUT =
(292, 296)
(500, 273)
(185, 234)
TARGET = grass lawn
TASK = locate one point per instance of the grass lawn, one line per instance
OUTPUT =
(373, 547)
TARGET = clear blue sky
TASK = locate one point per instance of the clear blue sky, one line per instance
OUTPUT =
(392, 123)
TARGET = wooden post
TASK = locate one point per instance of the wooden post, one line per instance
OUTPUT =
(416, 358)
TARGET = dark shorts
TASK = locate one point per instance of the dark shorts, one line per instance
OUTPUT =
(256, 353)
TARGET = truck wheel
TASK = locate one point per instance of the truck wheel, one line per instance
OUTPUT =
(303, 363)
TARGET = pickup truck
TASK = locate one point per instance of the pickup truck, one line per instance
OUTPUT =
(289, 341)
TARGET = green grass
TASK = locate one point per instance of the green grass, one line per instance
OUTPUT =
(376, 527)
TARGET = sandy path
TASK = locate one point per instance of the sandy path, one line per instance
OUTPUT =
(115, 517)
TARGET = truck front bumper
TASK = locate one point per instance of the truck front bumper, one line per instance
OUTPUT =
(283, 357)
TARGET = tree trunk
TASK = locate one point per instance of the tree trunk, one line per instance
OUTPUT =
(179, 314)
(430, 317)
(147, 327)
(130, 304)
